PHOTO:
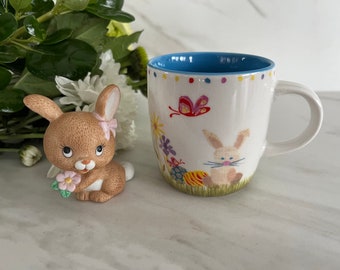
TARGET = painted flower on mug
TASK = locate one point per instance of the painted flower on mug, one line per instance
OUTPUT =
(173, 162)
(156, 125)
(166, 147)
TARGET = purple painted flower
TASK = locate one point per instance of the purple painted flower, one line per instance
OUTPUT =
(166, 147)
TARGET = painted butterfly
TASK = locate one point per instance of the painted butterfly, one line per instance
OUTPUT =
(187, 108)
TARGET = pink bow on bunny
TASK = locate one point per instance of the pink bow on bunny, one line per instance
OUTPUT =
(107, 126)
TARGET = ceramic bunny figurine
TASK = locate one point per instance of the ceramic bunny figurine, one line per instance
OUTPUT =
(82, 144)
(223, 170)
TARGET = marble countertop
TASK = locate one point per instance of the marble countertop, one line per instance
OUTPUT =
(288, 217)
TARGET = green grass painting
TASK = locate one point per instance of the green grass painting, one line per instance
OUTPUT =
(205, 191)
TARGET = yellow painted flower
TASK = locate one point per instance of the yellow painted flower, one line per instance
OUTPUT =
(157, 127)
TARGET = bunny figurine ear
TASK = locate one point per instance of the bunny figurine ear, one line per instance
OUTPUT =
(43, 106)
(108, 102)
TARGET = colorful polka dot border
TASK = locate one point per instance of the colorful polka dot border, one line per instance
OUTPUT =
(207, 80)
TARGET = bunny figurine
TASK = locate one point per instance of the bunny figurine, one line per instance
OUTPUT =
(223, 170)
(82, 144)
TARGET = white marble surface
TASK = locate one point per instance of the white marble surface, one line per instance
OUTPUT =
(288, 217)
(302, 36)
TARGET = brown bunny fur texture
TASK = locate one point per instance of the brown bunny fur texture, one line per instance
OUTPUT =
(78, 142)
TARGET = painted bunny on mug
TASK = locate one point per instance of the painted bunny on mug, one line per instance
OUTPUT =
(226, 158)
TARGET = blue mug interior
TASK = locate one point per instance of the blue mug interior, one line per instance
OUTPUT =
(210, 63)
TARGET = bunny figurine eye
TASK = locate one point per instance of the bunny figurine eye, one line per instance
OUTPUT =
(99, 150)
(67, 152)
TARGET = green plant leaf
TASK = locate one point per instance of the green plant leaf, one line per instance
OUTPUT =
(119, 45)
(40, 7)
(20, 4)
(58, 36)
(9, 54)
(8, 25)
(93, 33)
(11, 100)
(71, 21)
(31, 84)
(5, 77)
(122, 16)
(110, 10)
(76, 5)
(84, 27)
(34, 28)
(70, 58)
(2, 9)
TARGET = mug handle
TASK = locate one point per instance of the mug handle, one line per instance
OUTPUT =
(316, 116)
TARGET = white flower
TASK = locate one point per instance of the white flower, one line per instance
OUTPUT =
(30, 155)
(84, 93)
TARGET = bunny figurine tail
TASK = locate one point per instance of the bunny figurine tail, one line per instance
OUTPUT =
(129, 170)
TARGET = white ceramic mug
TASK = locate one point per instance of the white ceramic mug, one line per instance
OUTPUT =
(209, 115)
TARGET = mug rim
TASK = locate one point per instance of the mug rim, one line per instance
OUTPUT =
(167, 62)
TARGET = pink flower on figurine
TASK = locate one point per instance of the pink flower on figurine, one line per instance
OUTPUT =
(68, 180)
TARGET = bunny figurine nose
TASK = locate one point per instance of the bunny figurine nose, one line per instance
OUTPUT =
(85, 161)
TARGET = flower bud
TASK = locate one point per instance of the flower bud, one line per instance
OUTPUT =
(30, 155)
